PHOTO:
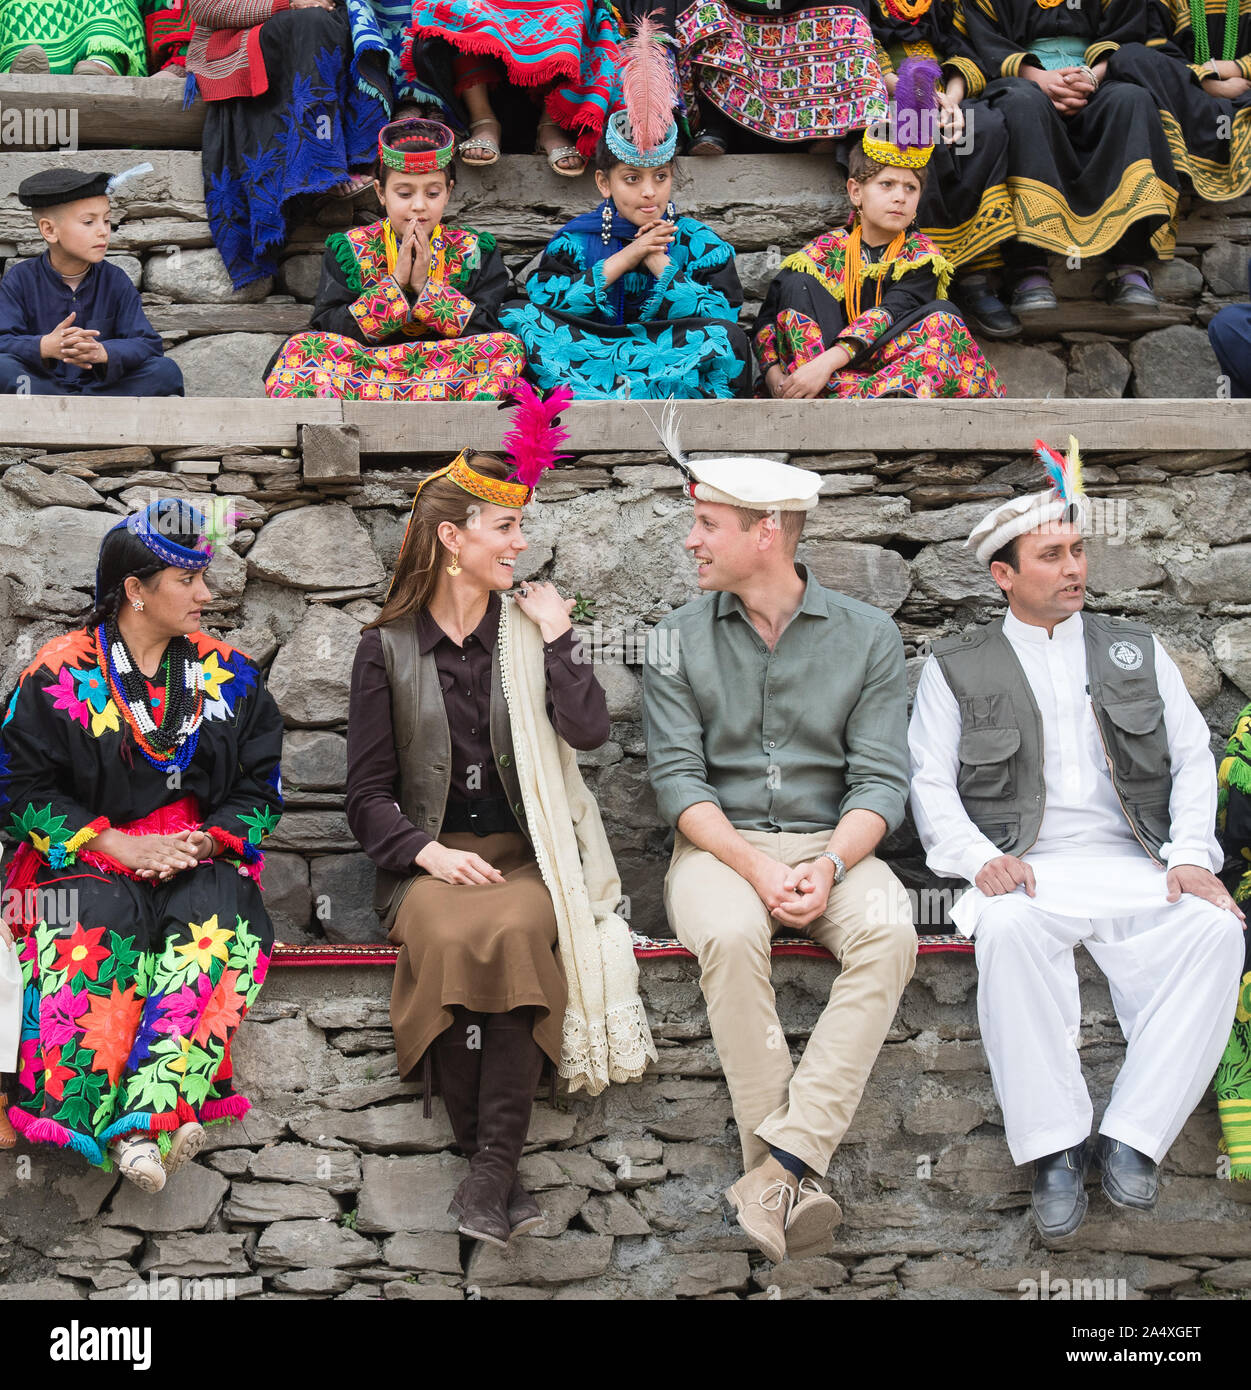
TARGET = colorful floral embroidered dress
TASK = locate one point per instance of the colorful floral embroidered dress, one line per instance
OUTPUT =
(788, 70)
(373, 341)
(134, 989)
(913, 343)
(642, 336)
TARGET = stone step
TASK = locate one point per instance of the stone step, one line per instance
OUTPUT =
(792, 427)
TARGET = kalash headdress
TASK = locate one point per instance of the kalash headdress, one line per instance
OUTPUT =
(530, 445)
(416, 146)
(156, 523)
(643, 133)
(738, 480)
(913, 123)
(1065, 500)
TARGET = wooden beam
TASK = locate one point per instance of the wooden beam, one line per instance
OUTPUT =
(815, 427)
(201, 319)
(69, 112)
(796, 427)
(103, 422)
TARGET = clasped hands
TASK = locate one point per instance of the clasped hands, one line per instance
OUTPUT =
(649, 248)
(795, 896)
(77, 346)
(1068, 88)
(157, 857)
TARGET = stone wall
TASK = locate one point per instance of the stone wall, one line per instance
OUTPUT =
(767, 206)
(334, 1185)
(309, 564)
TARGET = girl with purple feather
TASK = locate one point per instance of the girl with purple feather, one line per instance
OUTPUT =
(861, 311)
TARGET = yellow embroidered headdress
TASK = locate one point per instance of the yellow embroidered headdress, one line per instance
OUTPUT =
(530, 445)
(905, 140)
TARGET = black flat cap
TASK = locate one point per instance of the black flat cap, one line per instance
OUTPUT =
(51, 187)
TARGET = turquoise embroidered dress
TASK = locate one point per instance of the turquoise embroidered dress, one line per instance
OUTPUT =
(644, 337)
(134, 989)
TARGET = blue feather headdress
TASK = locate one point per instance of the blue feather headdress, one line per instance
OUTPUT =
(1064, 473)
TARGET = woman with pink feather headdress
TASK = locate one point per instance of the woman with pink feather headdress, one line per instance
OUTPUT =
(861, 311)
(631, 298)
(494, 876)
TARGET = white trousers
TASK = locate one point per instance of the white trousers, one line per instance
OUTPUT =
(1174, 974)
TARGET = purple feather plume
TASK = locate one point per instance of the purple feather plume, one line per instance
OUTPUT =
(914, 98)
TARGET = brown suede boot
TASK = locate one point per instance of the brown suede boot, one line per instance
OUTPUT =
(459, 1068)
(511, 1064)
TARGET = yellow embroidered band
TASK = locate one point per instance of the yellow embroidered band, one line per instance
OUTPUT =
(884, 152)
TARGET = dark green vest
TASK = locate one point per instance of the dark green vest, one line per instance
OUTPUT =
(423, 746)
(1000, 780)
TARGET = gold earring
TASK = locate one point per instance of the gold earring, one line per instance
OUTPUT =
(454, 567)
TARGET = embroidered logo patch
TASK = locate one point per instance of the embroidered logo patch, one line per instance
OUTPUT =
(1127, 655)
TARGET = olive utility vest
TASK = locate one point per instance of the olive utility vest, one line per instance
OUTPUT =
(1000, 780)
(423, 746)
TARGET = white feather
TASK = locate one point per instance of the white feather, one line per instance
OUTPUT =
(669, 431)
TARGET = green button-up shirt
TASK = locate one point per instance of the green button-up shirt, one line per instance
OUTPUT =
(789, 739)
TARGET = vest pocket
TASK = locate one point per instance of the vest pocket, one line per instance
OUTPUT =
(1136, 747)
(986, 762)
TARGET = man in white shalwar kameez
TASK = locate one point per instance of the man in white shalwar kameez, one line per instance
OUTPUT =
(1069, 778)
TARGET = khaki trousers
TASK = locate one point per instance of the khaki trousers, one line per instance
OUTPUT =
(867, 926)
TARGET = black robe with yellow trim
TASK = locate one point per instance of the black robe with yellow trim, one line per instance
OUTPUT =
(1099, 178)
(965, 208)
(1209, 136)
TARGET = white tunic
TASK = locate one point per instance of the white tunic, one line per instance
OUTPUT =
(1086, 859)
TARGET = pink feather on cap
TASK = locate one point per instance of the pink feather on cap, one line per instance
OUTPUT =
(647, 86)
(536, 432)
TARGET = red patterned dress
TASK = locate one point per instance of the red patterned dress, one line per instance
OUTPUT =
(371, 340)
(910, 342)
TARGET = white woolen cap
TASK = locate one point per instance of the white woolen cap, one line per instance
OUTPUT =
(764, 485)
(1017, 517)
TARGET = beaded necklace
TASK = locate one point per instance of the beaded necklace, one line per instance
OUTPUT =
(1199, 29)
(853, 270)
(173, 742)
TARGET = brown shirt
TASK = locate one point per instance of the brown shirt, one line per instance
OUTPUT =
(575, 704)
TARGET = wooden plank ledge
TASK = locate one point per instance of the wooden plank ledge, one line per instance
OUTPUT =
(795, 427)
(96, 111)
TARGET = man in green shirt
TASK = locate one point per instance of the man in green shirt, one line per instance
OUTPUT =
(777, 747)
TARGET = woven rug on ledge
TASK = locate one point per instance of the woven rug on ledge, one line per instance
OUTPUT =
(645, 948)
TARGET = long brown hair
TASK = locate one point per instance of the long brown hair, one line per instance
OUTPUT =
(417, 569)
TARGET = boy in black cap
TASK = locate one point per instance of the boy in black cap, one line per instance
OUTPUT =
(71, 323)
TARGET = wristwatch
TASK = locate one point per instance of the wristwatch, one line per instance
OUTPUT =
(840, 869)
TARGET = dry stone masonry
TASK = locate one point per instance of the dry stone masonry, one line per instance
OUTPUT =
(334, 1185)
(766, 206)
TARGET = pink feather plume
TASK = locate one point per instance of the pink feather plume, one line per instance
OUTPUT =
(532, 441)
(647, 85)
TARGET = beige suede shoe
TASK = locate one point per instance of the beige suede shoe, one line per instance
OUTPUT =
(139, 1161)
(763, 1199)
(188, 1140)
(810, 1226)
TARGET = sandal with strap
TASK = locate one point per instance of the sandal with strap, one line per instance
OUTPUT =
(138, 1160)
(559, 152)
(481, 142)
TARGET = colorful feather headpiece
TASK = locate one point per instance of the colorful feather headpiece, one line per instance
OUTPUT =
(644, 134)
(1064, 474)
(155, 524)
(530, 445)
(906, 139)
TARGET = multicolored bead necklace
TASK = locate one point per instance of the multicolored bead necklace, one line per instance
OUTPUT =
(173, 742)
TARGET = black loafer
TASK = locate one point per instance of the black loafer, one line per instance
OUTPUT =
(1036, 299)
(1059, 1199)
(1125, 294)
(982, 310)
(1130, 1178)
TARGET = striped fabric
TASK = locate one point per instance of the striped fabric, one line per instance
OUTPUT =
(70, 30)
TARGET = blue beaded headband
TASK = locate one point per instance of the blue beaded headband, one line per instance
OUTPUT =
(147, 527)
(617, 135)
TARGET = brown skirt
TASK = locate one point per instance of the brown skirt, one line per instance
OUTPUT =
(489, 947)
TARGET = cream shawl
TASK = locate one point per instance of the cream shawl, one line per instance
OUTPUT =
(605, 1036)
